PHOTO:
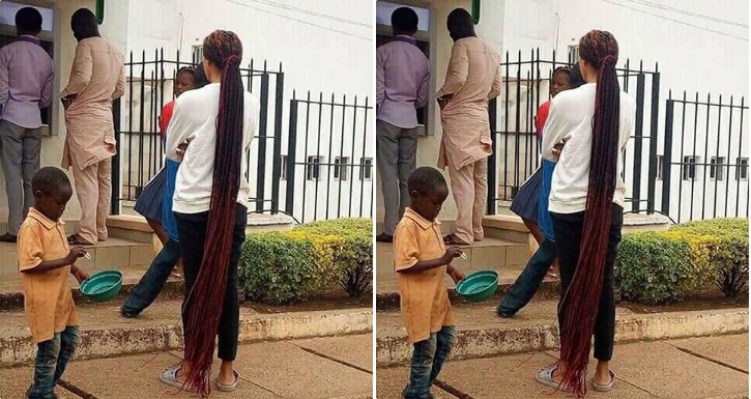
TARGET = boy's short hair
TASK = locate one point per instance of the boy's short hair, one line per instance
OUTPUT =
(49, 180)
(29, 20)
(404, 19)
(425, 180)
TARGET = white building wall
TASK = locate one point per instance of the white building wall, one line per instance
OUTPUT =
(700, 46)
(324, 46)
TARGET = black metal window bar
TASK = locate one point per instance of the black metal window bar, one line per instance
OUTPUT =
(140, 147)
(329, 158)
(516, 153)
(705, 151)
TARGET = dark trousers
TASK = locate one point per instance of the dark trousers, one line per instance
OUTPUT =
(146, 291)
(191, 229)
(568, 236)
(529, 281)
(428, 357)
(51, 360)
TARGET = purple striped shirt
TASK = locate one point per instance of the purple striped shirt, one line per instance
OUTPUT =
(27, 76)
(402, 81)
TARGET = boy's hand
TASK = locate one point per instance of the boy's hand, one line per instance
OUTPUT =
(79, 274)
(455, 274)
(74, 254)
(451, 253)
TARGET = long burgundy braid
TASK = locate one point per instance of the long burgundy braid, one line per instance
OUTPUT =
(222, 48)
(580, 304)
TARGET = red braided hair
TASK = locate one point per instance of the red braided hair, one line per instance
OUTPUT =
(580, 303)
(223, 49)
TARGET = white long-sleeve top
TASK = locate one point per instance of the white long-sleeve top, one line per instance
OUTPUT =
(570, 119)
(195, 118)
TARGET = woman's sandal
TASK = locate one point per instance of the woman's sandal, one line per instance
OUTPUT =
(607, 387)
(231, 387)
(545, 377)
(452, 239)
(169, 377)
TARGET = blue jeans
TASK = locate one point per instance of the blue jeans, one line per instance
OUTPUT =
(52, 358)
(529, 281)
(427, 360)
(146, 291)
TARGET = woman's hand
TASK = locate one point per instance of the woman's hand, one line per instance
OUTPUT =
(557, 148)
(182, 147)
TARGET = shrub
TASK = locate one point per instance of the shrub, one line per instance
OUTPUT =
(660, 267)
(354, 255)
(295, 265)
(651, 268)
(276, 268)
(729, 255)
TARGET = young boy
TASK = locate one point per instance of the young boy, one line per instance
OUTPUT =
(45, 260)
(421, 261)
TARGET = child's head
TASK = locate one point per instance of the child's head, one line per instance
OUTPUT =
(184, 80)
(561, 81)
(52, 191)
(200, 76)
(576, 76)
(428, 191)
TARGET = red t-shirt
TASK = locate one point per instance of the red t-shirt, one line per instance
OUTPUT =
(165, 118)
(542, 116)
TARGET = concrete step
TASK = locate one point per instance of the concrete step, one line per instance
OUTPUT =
(130, 257)
(481, 333)
(132, 226)
(105, 333)
(506, 227)
(506, 257)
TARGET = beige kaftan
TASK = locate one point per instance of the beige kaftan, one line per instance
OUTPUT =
(473, 77)
(97, 77)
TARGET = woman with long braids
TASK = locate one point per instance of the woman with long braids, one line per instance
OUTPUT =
(210, 204)
(586, 202)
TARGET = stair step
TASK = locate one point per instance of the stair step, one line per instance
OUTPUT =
(506, 257)
(130, 257)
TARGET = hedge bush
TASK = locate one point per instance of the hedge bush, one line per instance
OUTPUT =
(730, 255)
(355, 253)
(295, 265)
(661, 267)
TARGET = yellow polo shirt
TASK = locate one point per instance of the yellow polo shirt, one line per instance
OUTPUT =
(425, 303)
(47, 297)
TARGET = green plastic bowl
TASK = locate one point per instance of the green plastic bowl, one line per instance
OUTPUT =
(102, 286)
(478, 286)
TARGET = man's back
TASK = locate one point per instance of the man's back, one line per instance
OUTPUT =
(26, 81)
(403, 80)
(96, 75)
(473, 76)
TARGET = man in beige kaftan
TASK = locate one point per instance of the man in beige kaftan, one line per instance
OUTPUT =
(97, 77)
(473, 78)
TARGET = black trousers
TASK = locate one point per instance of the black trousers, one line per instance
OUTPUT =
(191, 229)
(568, 236)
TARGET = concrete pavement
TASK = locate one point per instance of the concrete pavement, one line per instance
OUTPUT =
(318, 368)
(695, 368)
